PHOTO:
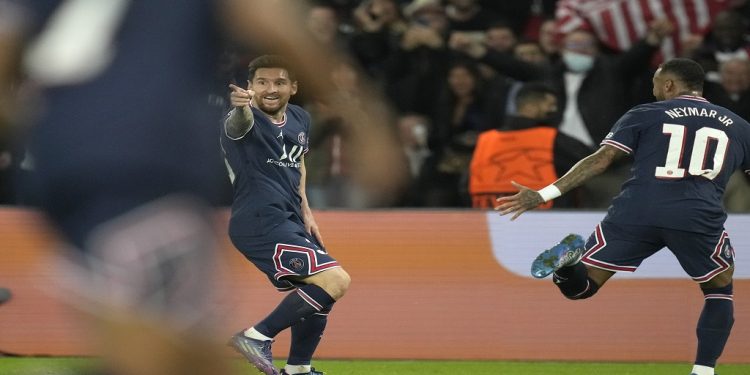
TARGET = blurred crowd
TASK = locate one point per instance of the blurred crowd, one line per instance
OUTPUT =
(459, 73)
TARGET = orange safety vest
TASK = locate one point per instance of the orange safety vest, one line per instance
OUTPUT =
(524, 156)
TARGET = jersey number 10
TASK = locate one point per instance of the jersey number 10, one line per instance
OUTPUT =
(697, 162)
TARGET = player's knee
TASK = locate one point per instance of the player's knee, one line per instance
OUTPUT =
(719, 281)
(342, 281)
(334, 281)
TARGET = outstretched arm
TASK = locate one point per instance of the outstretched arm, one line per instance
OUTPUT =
(588, 167)
(240, 119)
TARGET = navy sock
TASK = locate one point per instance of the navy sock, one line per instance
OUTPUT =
(306, 336)
(714, 325)
(574, 282)
(298, 305)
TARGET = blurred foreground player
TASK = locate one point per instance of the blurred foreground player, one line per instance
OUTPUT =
(684, 150)
(125, 148)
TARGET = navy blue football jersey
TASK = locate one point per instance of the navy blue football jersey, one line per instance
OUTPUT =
(126, 88)
(684, 151)
(264, 166)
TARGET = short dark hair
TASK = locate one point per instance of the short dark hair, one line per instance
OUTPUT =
(270, 61)
(688, 71)
(533, 92)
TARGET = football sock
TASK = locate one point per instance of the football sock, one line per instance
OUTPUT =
(297, 369)
(299, 304)
(574, 282)
(253, 334)
(305, 338)
(714, 325)
(702, 370)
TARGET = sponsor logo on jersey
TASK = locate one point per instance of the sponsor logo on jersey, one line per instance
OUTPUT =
(288, 159)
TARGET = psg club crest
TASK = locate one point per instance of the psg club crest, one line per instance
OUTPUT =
(296, 264)
(728, 251)
(301, 138)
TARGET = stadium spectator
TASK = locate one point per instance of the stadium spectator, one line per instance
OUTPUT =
(527, 149)
(414, 132)
(731, 91)
(584, 76)
(496, 56)
(726, 40)
(322, 21)
(416, 70)
(670, 201)
(470, 15)
(531, 53)
(521, 14)
(499, 37)
(380, 29)
(461, 114)
(548, 39)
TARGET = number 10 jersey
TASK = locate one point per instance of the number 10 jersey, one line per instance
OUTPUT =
(684, 151)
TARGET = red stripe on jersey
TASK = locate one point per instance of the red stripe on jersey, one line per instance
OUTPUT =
(716, 258)
(601, 242)
(313, 265)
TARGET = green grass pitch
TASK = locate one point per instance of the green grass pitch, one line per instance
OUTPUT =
(73, 366)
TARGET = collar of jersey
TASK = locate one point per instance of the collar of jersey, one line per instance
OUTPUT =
(693, 97)
(279, 124)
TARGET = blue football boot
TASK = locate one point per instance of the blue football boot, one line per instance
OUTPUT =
(568, 252)
(257, 352)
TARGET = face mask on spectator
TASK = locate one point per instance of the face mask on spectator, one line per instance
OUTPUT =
(578, 62)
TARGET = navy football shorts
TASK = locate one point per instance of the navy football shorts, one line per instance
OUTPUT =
(619, 247)
(285, 253)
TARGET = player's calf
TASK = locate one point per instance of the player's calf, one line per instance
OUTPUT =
(714, 326)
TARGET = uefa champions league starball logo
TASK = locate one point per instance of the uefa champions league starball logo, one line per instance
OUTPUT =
(301, 138)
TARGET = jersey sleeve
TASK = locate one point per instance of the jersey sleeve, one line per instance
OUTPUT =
(624, 134)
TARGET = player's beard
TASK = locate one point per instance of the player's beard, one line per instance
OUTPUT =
(271, 111)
